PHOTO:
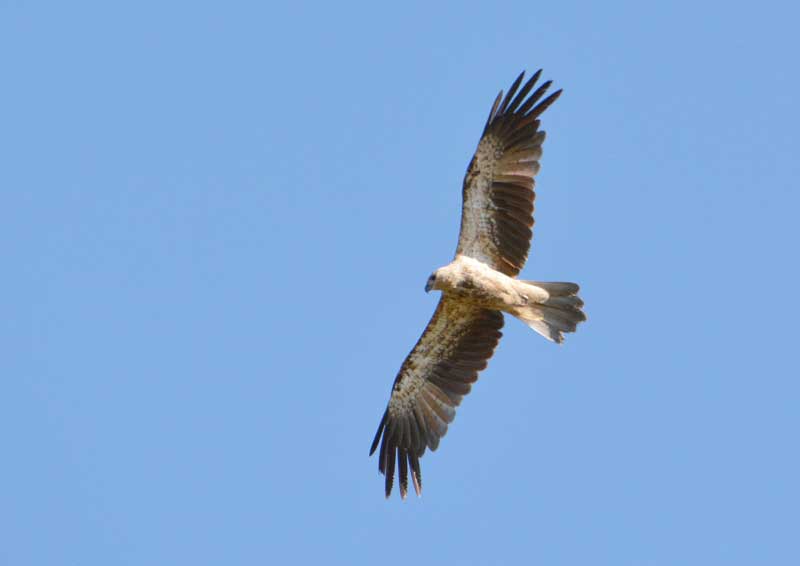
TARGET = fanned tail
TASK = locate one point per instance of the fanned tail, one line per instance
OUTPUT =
(554, 315)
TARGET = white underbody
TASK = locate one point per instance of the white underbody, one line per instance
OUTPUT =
(474, 281)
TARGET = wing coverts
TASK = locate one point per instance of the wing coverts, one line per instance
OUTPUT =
(498, 195)
(436, 375)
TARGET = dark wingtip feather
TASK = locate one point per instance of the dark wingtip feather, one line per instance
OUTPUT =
(511, 104)
(511, 92)
(382, 456)
(390, 462)
(523, 92)
(403, 462)
(377, 438)
(545, 104)
(533, 98)
(416, 474)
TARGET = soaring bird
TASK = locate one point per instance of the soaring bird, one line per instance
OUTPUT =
(477, 287)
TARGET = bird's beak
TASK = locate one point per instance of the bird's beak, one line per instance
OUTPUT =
(428, 287)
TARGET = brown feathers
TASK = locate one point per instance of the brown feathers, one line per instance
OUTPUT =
(498, 189)
(496, 222)
(437, 373)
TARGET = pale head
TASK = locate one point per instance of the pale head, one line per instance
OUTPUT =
(443, 279)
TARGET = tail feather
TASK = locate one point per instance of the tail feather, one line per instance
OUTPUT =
(557, 313)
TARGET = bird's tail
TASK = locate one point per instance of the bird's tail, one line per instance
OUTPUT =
(554, 312)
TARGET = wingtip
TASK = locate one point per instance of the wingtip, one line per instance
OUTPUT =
(535, 77)
(417, 485)
(376, 440)
(511, 92)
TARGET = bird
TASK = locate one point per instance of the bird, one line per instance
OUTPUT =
(477, 287)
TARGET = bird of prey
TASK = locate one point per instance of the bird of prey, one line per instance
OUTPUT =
(477, 287)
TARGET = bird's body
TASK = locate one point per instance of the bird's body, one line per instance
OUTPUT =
(477, 287)
(473, 282)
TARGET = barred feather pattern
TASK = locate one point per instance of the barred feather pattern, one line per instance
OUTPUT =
(436, 375)
(498, 191)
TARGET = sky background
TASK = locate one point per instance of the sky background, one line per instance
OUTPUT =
(216, 222)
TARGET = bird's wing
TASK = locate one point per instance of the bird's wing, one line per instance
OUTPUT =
(497, 210)
(439, 371)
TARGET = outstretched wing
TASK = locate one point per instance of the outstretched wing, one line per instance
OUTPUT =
(437, 373)
(497, 210)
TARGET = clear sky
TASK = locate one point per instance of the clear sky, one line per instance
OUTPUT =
(216, 223)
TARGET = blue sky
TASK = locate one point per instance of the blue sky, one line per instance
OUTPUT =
(217, 222)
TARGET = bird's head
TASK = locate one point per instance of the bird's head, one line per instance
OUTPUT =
(431, 284)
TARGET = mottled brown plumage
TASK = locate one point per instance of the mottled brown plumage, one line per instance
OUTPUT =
(497, 210)
(480, 284)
